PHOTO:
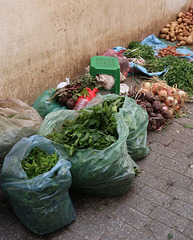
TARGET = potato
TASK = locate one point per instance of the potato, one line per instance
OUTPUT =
(172, 40)
(164, 30)
(182, 42)
(180, 38)
(163, 35)
(179, 20)
(172, 34)
(168, 25)
(190, 39)
(180, 14)
(167, 37)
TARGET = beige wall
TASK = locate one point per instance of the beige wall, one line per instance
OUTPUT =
(44, 41)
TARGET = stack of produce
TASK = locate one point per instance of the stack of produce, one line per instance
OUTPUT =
(170, 50)
(68, 95)
(160, 101)
(180, 30)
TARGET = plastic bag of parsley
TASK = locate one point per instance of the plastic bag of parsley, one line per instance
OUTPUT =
(41, 202)
(136, 119)
(94, 141)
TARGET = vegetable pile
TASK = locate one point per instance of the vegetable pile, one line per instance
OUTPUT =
(160, 101)
(170, 50)
(137, 50)
(38, 162)
(91, 129)
(69, 94)
(180, 30)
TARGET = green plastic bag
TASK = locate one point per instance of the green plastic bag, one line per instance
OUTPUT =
(42, 203)
(107, 173)
(137, 121)
(43, 106)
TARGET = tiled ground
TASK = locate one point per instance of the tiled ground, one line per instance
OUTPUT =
(158, 206)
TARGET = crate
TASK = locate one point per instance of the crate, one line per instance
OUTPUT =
(106, 65)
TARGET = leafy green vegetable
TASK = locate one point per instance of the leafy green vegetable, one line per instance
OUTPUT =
(188, 126)
(170, 236)
(38, 162)
(91, 129)
(181, 74)
(158, 65)
(11, 116)
(137, 50)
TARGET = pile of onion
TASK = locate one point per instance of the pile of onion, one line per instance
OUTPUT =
(160, 101)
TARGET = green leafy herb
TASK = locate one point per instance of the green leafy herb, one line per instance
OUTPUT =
(38, 162)
(94, 128)
(187, 126)
(170, 236)
(137, 50)
(11, 116)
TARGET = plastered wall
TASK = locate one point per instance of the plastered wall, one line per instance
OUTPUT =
(44, 41)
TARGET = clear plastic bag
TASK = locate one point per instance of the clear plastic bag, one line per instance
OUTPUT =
(17, 120)
(43, 106)
(42, 203)
(106, 173)
(136, 120)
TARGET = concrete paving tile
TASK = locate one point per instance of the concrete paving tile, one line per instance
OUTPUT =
(171, 163)
(112, 225)
(183, 209)
(159, 138)
(156, 196)
(132, 217)
(180, 193)
(189, 171)
(169, 218)
(137, 235)
(139, 203)
(182, 146)
(86, 229)
(171, 134)
(137, 186)
(191, 187)
(153, 181)
(165, 151)
(175, 178)
(161, 232)
(189, 231)
(108, 237)
(149, 163)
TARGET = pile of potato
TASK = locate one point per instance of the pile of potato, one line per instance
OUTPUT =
(180, 30)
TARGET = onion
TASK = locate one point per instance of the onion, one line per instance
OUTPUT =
(156, 87)
(162, 95)
(169, 101)
(170, 113)
(171, 92)
(182, 94)
(175, 103)
(146, 85)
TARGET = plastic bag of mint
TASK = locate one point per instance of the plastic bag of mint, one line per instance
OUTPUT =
(136, 120)
(35, 179)
(94, 141)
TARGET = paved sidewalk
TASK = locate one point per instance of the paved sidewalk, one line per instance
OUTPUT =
(158, 206)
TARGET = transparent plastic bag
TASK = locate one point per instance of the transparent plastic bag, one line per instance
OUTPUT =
(42, 203)
(136, 120)
(17, 120)
(123, 62)
(43, 106)
(106, 173)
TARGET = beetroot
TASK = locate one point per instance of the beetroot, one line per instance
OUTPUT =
(70, 103)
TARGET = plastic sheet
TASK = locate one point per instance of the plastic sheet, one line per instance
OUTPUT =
(107, 173)
(42, 203)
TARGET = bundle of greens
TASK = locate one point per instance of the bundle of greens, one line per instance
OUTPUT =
(91, 129)
(158, 65)
(137, 50)
(38, 162)
(68, 95)
(180, 74)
